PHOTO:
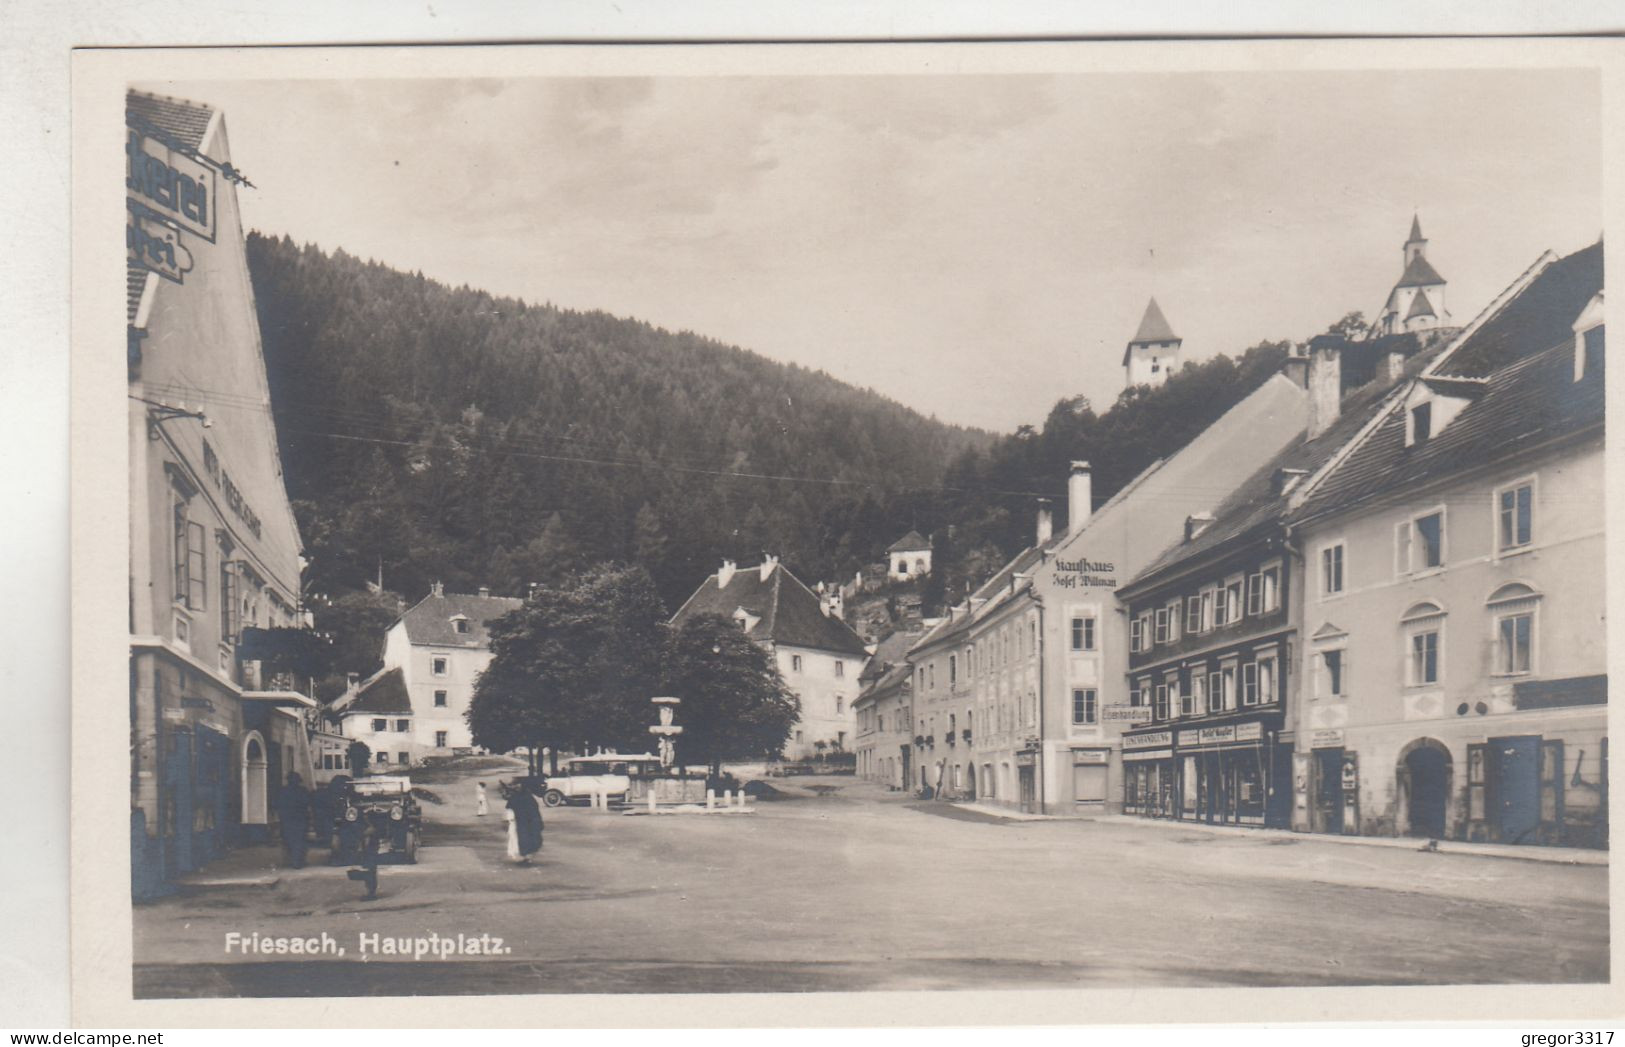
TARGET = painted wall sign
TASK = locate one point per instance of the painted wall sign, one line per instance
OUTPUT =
(1151, 740)
(1090, 756)
(155, 245)
(1149, 754)
(1122, 713)
(1084, 573)
(1327, 738)
(174, 185)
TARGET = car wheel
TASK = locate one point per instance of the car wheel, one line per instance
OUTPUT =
(409, 853)
(553, 798)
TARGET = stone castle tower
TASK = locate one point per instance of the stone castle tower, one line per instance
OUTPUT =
(1417, 301)
(1153, 353)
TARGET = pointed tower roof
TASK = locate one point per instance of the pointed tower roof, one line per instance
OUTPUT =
(1419, 273)
(1153, 326)
(1420, 306)
(1416, 231)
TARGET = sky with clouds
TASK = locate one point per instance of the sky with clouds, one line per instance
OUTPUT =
(975, 247)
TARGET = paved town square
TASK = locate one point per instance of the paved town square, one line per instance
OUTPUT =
(714, 903)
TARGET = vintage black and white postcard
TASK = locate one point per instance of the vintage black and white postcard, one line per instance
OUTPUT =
(945, 534)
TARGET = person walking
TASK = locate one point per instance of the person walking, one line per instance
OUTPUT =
(524, 823)
(480, 809)
(293, 811)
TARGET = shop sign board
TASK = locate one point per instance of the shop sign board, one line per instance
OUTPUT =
(1149, 754)
(1084, 573)
(1326, 738)
(1243, 732)
(1090, 756)
(175, 186)
(1150, 740)
(1123, 713)
(154, 245)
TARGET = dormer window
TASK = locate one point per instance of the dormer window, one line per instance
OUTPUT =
(1421, 424)
(460, 624)
(1588, 339)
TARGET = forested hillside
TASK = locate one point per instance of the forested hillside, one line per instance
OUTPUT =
(441, 433)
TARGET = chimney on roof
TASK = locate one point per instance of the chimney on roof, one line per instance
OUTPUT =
(485, 591)
(1325, 383)
(768, 563)
(725, 573)
(437, 589)
(1391, 368)
(1079, 491)
(1196, 523)
(1286, 477)
(1046, 521)
(350, 680)
(1296, 368)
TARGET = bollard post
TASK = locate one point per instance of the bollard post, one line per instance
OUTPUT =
(727, 797)
(651, 798)
(710, 799)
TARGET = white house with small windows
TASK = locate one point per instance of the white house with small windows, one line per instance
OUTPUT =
(908, 558)
(818, 654)
(437, 650)
(1455, 653)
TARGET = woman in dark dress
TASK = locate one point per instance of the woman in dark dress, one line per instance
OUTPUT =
(524, 824)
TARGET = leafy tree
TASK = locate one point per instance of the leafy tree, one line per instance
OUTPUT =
(735, 705)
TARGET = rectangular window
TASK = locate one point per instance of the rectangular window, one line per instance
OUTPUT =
(1331, 570)
(1187, 700)
(1430, 539)
(840, 670)
(1160, 710)
(228, 602)
(440, 699)
(795, 663)
(440, 739)
(1249, 684)
(403, 725)
(1331, 667)
(1421, 423)
(1083, 633)
(1271, 578)
(840, 705)
(798, 736)
(1193, 614)
(403, 758)
(1198, 693)
(1233, 601)
(1215, 692)
(1083, 705)
(1517, 508)
(440, 665)
(953, 670)
(1136, 635)
(1424, 665)
(380, 725)
(1266, 681)
(381, 758)
(1255, 594)
(1136, 697)
(1513, 634)
(1175, 611)
(1162, 625)
(1228, 696)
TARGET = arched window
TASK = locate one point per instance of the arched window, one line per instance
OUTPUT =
(1514, 610)
(1423, 625)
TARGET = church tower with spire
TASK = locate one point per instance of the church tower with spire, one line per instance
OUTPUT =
(1417, 302)
(1153, 353)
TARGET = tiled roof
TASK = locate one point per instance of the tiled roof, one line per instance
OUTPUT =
(136, 278)
(1255, 505)
(893, 679)
(1535, 400)
(787, 612)
(185, 121)
(1538, 318)
(910, 542)
(890, 652)
(1419, 273)
(384, 693)
(430, 621)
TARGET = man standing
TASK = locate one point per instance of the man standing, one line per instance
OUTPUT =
(293, 810)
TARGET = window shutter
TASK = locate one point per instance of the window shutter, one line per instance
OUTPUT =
(195, 565)
(1402, 548)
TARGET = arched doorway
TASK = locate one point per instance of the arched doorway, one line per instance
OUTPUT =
(970, 781)
(1424, 773)
(254, 780)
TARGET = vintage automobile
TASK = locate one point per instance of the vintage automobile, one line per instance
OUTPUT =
(376, 813)
(607, 774)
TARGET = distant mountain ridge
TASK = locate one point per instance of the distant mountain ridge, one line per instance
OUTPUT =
(438, 433)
